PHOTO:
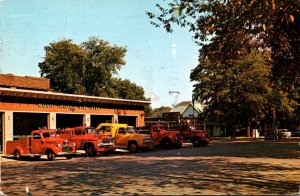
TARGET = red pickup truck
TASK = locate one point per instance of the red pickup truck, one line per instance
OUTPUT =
(88, 140)
(40, 142)
(196, 137)
(188, 132)
(161, 136)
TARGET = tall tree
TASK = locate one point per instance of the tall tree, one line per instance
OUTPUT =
(104, 60)
(87, 68)
(63, 66)
(230, 30)
(127, 90)
(238, 93)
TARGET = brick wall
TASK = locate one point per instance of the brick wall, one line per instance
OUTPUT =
(27, 82)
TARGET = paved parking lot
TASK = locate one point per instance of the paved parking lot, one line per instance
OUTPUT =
(225, 166)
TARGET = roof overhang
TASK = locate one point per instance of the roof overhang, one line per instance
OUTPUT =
(49, 95)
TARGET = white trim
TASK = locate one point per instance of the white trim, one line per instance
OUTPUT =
(73, 95)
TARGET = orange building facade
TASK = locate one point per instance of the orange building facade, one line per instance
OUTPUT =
(27, 103)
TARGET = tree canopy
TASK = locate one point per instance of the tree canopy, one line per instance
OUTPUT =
(157, 112)
(88, 68)
(248, 56)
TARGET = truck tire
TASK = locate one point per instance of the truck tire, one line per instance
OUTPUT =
(50, 155)
(17, 155)
(105, 153)
(133, 147)
(166, 144)
(204, 143)
(90, 150)
(178, 146)
(196, 142)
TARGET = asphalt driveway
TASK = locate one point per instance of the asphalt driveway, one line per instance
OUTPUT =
(225, 166)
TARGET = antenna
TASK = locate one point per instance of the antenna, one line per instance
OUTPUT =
(176, 96)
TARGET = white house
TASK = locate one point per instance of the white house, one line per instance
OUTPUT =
(188, 109)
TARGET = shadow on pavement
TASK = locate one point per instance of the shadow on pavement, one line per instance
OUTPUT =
(223, 167)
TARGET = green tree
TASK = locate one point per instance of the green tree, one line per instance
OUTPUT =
(238, 93)
(157, 112)
(224, 27)
(126, 89)
(87, 68)
(63, 66)
(230, 30)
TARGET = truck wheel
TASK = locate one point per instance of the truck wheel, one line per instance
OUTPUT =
(50, 155)
(196, 142)
(105, 153)
(69, 157)
(17, 155)
(166, 144)
(90, 150)
(204, 143)
(132, 147)
(178, 146)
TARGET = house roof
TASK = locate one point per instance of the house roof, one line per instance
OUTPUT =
(183, 106)
(180, 109)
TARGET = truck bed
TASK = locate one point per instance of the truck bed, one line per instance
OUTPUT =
(23, 142)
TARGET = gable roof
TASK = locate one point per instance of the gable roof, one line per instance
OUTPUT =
(183, 106)
(180, 109)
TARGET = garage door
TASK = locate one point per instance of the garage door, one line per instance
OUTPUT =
(68, 120)
(24, 123)
(97, 119)
(130, 120)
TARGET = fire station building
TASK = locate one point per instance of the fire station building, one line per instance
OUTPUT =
(27, 103)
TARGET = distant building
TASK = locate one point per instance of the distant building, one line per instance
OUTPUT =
(188, 109)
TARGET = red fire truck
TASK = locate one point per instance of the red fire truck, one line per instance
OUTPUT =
(40, 142)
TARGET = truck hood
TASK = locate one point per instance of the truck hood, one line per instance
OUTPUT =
(139, 135)
(56, 140)
(171, 132)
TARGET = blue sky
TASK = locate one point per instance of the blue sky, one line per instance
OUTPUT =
(156, 60)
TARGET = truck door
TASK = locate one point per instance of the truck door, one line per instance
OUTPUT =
(120, 139)
(77, 138)
(155, 135)
(36, 143)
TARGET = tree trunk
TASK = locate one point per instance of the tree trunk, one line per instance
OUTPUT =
(274, 120)
(248, 130)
